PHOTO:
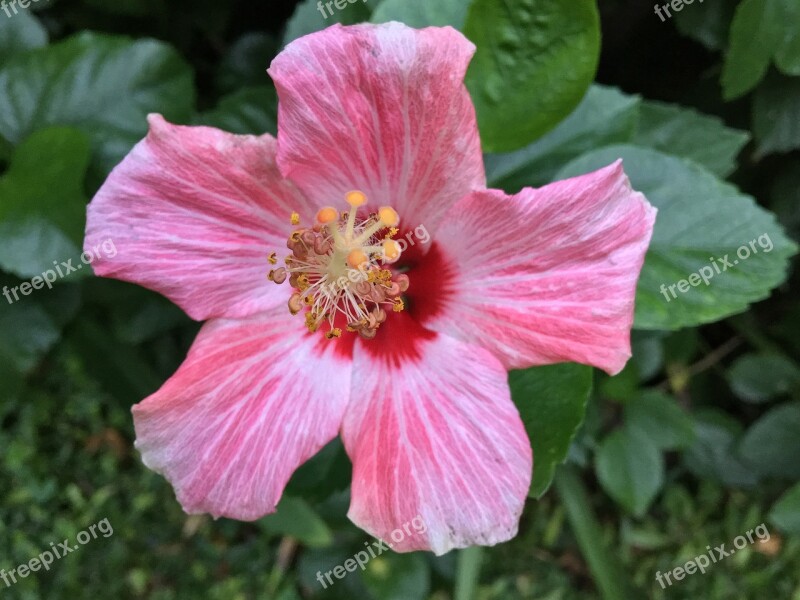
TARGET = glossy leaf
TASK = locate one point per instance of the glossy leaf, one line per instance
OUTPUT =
(552, 403)
(535, 62)
(702, 222)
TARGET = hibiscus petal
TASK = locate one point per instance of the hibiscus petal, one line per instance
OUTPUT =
(548, 275)
(434, 437)
(380, 108)
(193, 213)
(254, 399)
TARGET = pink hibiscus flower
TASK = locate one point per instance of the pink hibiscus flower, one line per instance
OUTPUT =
(413, 373)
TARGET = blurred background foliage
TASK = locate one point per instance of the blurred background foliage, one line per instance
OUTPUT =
(695, 442)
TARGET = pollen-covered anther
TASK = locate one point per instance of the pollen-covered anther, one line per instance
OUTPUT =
(327, 215)
(278, 275)
(338, 268)
(356, 258)
(388, 216)
(356, 198)
(391, 250)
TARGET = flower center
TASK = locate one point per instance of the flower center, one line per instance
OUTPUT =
(337, 267)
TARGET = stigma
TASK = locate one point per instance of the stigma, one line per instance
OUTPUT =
(339, 269)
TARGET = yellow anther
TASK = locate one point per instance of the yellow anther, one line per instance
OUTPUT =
(334, 333)
(356, 198)
(392, 232)
(388, 216)
(398, 305)
(273, 258)
(356, 258)
(327, 215)
(391, 250)
(295, 218)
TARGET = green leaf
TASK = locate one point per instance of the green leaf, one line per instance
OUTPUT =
(605, 116)
(713, 454)
(252, 110)
(308, 18)
(707, 23)
(121, 368)
(759, 378)
(761, 30)
(785, 514)
(27, 332)
(103, 85)
(689, 134)
(422, 13)
(787, 58)
(534, 63)
(700, 218)
(246, 62)
(659, 418)
(630, 469)
(20, 33)
(772, 444)
(552, 402)
(297, 519)
(398, 577)
(648, 353)
(37, 225)
(776, 115)
(325, 473)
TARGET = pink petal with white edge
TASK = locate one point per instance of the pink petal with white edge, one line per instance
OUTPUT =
(193, 213)
(435, 438)
(548, 275)
(380, 108)
(253, 401)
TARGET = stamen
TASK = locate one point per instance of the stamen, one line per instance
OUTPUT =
(387, 217)
(356, 198)
(336, 269)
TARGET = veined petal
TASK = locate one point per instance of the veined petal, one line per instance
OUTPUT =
(383, 109)
(548, 275)
(254, 399)
(193, 213)
(435, 438)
